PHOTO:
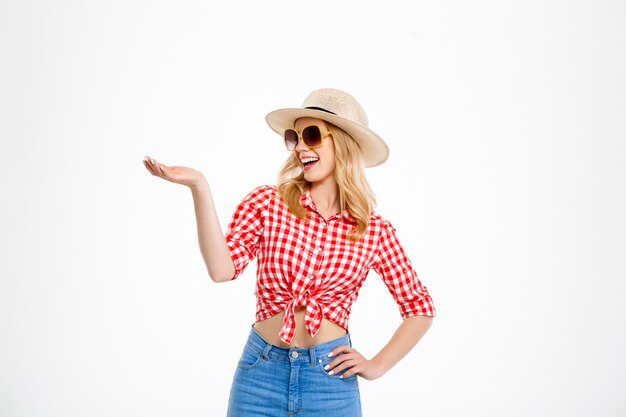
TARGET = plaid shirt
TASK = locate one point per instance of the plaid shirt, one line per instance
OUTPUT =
(313, 264)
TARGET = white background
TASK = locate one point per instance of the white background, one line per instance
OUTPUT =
(506, 181)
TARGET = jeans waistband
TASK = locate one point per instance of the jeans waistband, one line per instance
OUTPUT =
(310, 354)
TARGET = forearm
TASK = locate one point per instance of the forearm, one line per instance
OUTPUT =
(403, 340)
(215, 252)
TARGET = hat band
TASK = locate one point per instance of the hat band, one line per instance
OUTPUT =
(319, 108)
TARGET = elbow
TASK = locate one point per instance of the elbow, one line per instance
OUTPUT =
(219, 278)
(223, 275)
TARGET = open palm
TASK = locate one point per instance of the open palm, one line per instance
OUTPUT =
(177, 174)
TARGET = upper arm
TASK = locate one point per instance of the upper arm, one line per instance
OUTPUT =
(246, 228)
(396, 269)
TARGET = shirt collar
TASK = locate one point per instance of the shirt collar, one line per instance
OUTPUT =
(307, 202)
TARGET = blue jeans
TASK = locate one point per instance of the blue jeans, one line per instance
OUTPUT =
(272, 381)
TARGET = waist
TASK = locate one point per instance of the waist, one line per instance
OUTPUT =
(269, 329)
(286, 354)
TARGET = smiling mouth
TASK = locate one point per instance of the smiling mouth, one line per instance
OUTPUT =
(307, 162)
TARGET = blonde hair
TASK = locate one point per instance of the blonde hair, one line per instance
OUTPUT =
(355, 194)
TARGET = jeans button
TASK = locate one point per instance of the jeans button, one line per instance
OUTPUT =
(294, 354)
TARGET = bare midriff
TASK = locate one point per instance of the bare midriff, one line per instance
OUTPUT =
(270, 328)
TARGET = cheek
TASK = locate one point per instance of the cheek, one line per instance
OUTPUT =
(329, 160)
(333, 161)
(330, 156)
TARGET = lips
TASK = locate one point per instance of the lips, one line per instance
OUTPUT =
(309, 162)
(310, 165)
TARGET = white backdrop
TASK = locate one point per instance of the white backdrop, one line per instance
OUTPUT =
(506, 181)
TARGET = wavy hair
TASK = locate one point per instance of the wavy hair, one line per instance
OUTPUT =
(355, 194)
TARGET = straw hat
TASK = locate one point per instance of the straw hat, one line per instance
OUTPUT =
(342, 110)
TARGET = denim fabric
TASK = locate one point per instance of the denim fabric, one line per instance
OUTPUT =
(272, 381)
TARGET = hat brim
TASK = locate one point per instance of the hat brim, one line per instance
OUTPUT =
(373, 148)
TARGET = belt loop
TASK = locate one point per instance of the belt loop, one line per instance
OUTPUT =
(266, 351)
(312, 355)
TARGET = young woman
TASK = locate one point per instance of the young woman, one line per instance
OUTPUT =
(315, 236)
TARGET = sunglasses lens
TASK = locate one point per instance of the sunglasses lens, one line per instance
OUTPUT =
(291, 139)
(312, 136)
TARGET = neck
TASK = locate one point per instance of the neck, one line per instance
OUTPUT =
(326, 196)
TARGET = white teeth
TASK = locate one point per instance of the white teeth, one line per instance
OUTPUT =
(305, 160)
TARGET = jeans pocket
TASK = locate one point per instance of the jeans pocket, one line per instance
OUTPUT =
(250, 358)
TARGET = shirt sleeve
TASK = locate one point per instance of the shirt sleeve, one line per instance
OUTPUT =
(246, 227)
(396, 270)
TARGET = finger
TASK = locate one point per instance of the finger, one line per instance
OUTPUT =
(356, 367)
(149, 167)
(159, 167)
(344, 365)
(352, 371)
(339, 349)
(341, 359)
(152, 162)
(336, 362)
(155, 167)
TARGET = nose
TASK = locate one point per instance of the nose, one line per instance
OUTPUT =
(301, 147)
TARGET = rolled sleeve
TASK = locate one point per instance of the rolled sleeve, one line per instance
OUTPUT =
(246, 227)
(398, 274)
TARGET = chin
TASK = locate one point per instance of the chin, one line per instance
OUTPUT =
(314, 176)
(310, 178)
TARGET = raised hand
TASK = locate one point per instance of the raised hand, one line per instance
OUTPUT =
(177, 174)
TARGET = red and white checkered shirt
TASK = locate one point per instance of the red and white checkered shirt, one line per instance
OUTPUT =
(313, 263)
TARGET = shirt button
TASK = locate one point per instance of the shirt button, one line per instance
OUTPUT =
(294, 354)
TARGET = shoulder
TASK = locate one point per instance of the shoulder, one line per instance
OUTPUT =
(381, 227)
(261, 195)
(266, 189)
(377, 220)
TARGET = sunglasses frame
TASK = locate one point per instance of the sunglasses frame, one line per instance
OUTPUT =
(323, 134)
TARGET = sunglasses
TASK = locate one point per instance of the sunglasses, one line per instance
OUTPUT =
(312, 137)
